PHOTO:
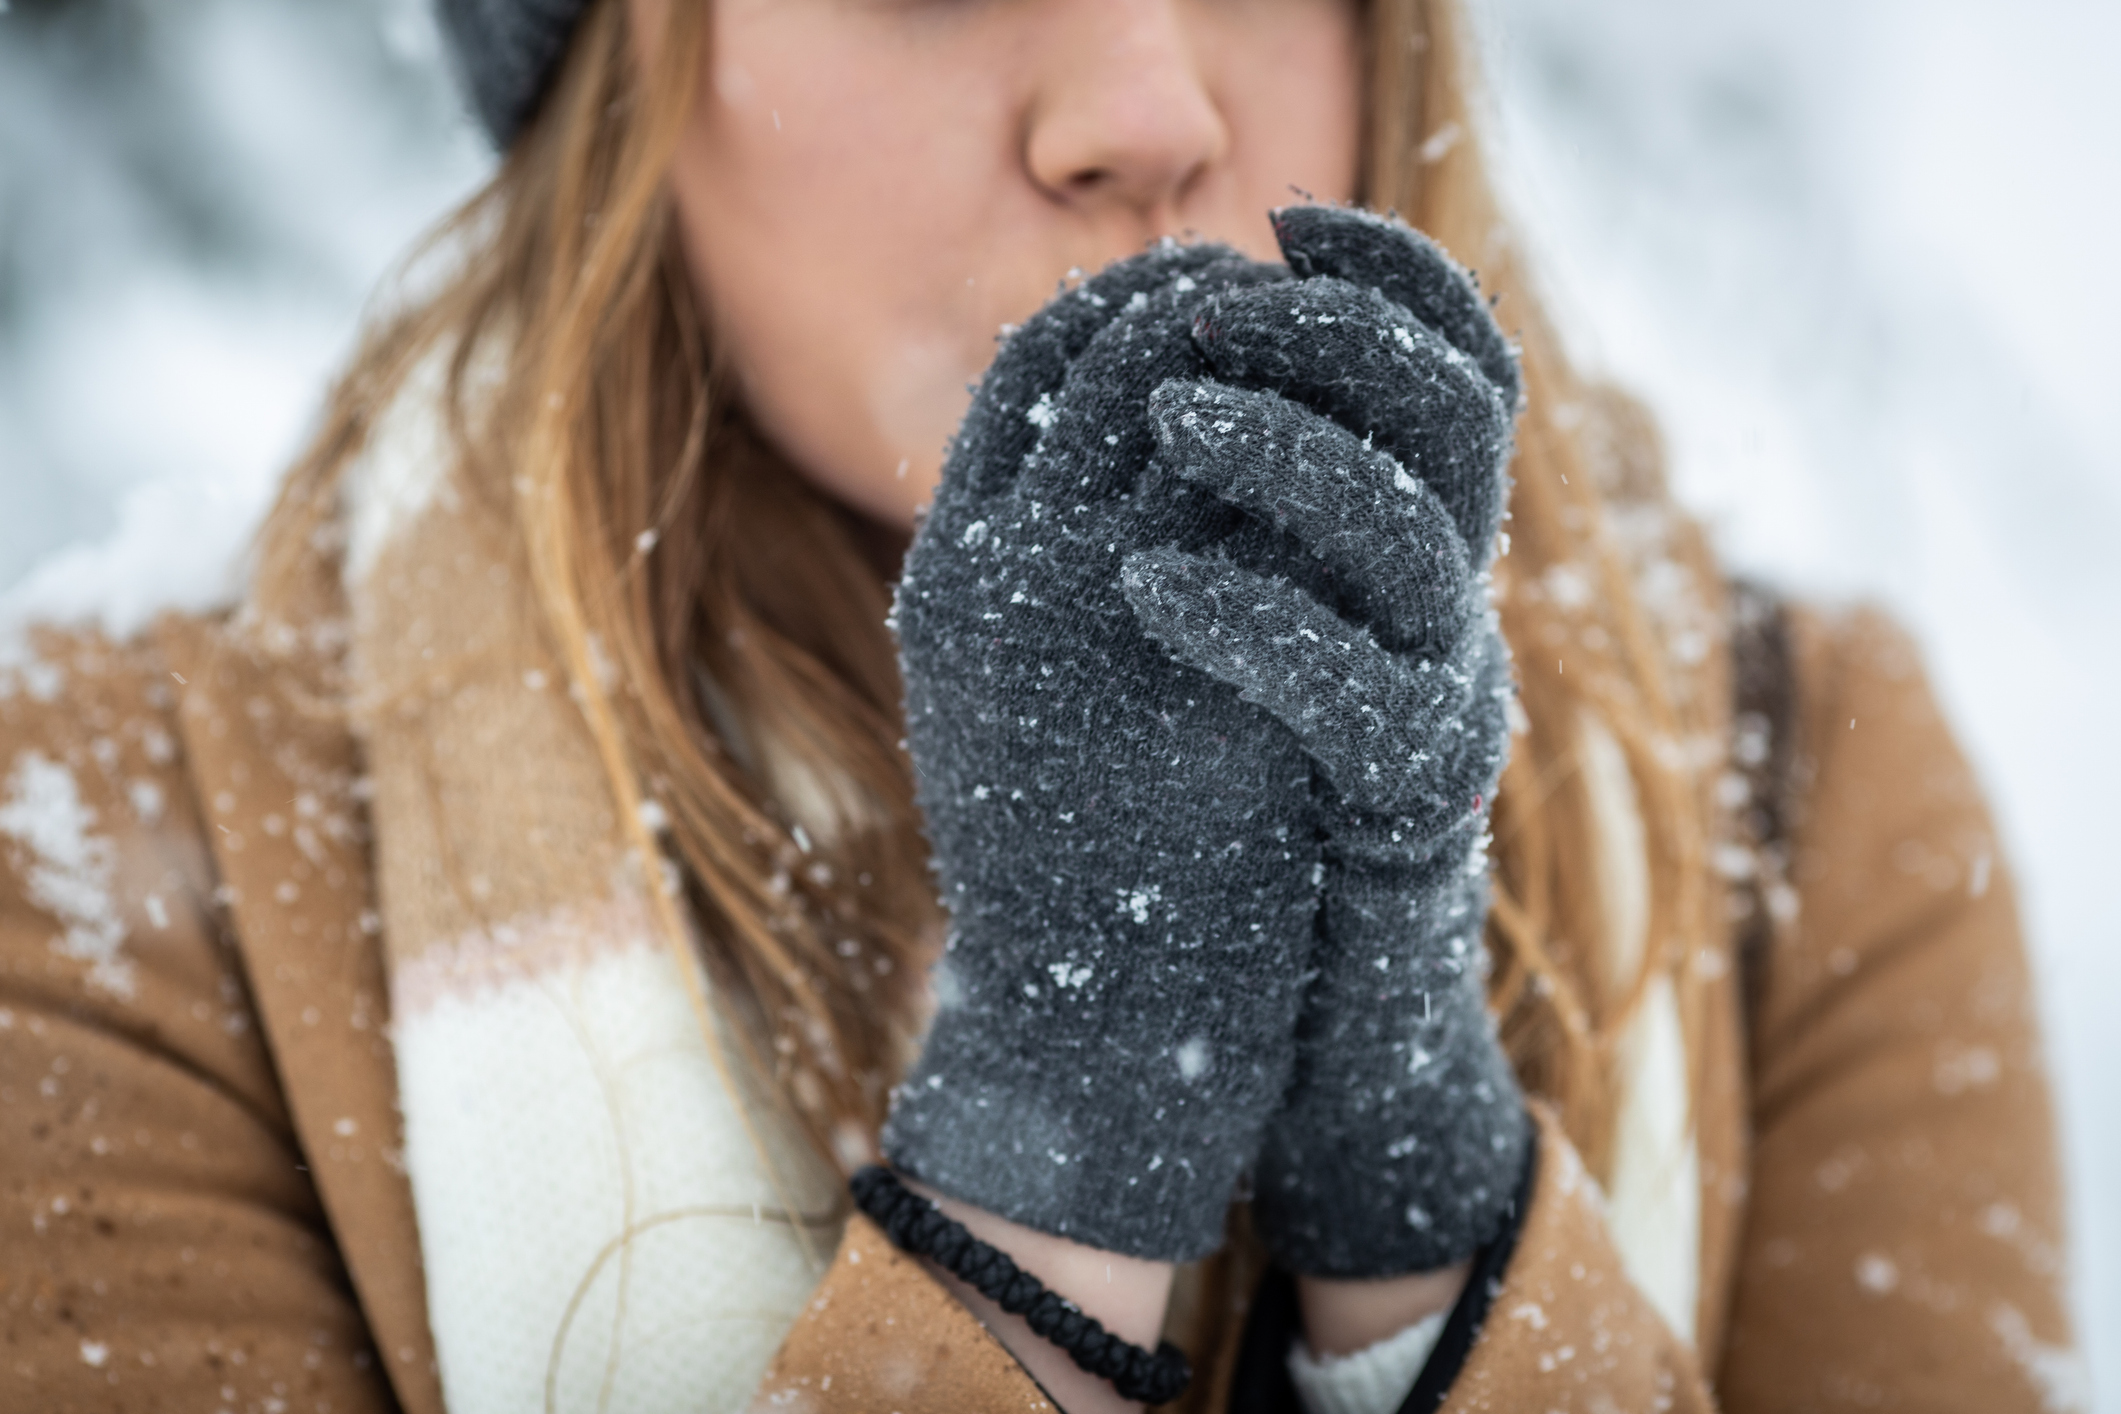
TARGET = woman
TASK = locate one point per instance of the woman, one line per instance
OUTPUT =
(471, 972)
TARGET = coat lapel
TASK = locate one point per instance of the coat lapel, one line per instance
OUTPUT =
(279, 783)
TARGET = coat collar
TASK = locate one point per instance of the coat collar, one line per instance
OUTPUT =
(281, 787)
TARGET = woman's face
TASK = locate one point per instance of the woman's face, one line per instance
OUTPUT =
(870, 189)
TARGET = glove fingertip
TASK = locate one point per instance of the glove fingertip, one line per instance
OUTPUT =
(1173, 398)
(1408, 267)
(1172, 594)
(1310, 233)
(1348, 242)
(1176, 410)
(1151, 578)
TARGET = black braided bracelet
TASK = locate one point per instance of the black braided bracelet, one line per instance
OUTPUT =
(917, 1226)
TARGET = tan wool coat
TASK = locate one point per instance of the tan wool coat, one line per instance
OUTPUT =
(203, 1205)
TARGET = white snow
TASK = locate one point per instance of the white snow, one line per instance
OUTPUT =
(1136, 903)
(1877, 1273)
(66, 867)
(1855, 257)
(2061, 1376)
(1071, 975)
(1193, 1058)
(164, 343)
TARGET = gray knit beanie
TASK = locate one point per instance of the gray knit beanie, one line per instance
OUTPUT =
(506, 52)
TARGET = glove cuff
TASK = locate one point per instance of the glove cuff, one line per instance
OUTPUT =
(1369, 1197)
(1132, 1171)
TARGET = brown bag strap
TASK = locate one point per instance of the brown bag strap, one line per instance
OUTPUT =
(1763, 720)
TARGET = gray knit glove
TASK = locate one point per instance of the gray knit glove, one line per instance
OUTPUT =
(1367, 411)
(1132, 900)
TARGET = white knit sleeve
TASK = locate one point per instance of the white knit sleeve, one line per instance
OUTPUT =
(1373, 1380)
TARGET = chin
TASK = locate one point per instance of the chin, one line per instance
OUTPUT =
(894, 502)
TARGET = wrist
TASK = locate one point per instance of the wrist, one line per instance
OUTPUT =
(1126, 1295)
(1342, 1316)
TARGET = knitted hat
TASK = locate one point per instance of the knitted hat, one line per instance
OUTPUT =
(506, 52)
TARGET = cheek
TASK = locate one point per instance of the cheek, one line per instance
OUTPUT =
(853, 201)
(1290, 87)
(832, 202)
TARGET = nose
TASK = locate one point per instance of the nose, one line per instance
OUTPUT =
(1123, 121)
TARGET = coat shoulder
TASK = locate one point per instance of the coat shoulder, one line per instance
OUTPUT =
(1904, 1226)
(102, 849)
(165, 1242)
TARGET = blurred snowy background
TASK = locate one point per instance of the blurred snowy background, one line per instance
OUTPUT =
(1858, 256)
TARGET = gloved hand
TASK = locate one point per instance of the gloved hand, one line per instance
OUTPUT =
(1367, 410)
(1132, 897)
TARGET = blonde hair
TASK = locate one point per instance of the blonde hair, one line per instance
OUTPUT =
(760, 708)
